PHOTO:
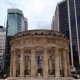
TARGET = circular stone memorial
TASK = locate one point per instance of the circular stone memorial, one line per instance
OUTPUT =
(39, 54)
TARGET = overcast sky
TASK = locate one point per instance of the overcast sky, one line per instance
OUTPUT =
(38, 12)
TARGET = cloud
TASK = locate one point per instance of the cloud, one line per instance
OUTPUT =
(37, 5)
(38, 12)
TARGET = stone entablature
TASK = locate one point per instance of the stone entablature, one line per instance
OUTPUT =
(39, 32)
(52, 46)
(40, 37)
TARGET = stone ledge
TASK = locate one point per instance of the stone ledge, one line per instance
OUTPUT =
(27, 78)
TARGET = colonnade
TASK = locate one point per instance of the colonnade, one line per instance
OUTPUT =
(46, 65)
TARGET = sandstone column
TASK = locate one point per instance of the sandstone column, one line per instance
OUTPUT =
(11, 64)
(57, 67)
(65, 63)
(50, 64)
(36, 65)
(29, 64)
(15, 59)
(45, 63)
(33, 63)
(22, 63)
(68, 63)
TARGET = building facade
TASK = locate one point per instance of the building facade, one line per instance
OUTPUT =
(2, 46)
(51, 45)
(68, 17)
(15, 23)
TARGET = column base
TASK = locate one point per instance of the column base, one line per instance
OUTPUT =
(11, 78)
(52, 78)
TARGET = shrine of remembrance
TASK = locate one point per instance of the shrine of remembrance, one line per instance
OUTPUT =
(43, 53)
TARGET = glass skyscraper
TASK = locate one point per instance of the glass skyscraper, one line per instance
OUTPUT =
(15, 23)
(68, 21)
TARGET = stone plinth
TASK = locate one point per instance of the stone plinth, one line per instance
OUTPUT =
(52, 78)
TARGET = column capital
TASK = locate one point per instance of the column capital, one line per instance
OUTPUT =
(56, 51)
(11, 51)
(15, 50)
(45, 47)
(33, 47)
(67, 51)
(56, 48)
(22, 48)
(64, 49)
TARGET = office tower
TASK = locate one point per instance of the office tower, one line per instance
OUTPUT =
(15, 23)
(67, 20)
(26, 23)
(52, 24)
(2, 45)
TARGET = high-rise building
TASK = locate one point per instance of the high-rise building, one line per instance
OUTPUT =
(15, 23)
(26, 23)
(67, 20)
(2, 46)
